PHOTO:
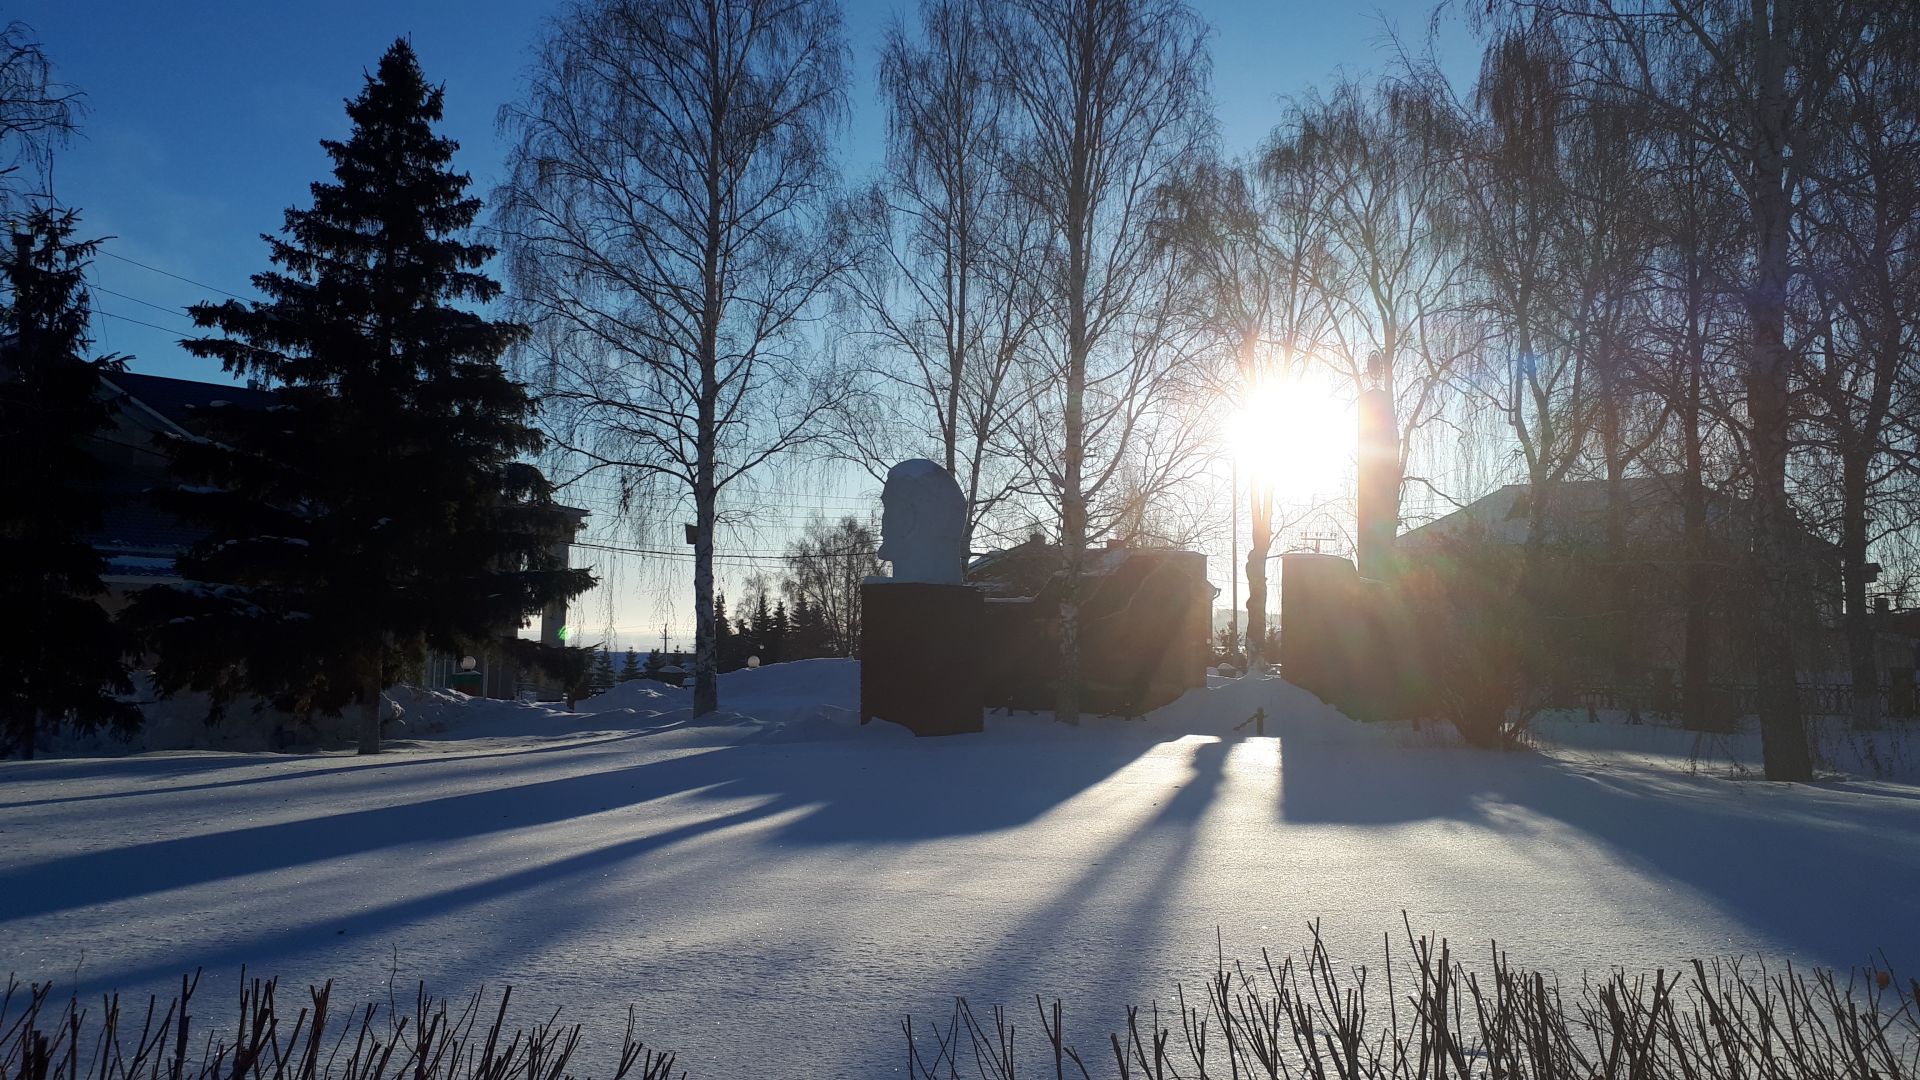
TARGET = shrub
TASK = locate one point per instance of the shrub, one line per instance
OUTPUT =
(370, 1043)
(1307, 1017)
(1482, 644)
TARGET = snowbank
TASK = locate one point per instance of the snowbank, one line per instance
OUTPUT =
(813, 700)
(1890, 753)
(182, 722)
(818, 700)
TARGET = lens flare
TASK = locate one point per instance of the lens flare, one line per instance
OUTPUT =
(1296, 435)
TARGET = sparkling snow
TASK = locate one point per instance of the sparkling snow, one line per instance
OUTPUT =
(775, 887)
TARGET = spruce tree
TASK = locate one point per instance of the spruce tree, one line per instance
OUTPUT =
(757, 630)
(745, 644)
(603, 676)
(60, 654)
(808, 636)
(779, 632)
(381, 507)
(630, 667)
(725, 647)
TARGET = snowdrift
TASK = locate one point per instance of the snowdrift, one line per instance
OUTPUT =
(801, 701)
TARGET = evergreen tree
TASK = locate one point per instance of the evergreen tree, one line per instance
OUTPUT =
(603, 677)
(60, 655)
(765, 643)
(745, 644)
(655, 662)
(725, 648)
(808, 637)
(381, 507)
(630, 667)
(779, 630)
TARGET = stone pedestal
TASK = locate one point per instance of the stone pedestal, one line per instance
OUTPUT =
(920, 656)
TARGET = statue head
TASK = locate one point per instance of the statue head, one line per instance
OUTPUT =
(923, 524)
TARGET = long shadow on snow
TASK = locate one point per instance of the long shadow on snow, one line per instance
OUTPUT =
(301, 767)
(1810, 871)
(925, 788)
(283, 945)
(1093, 943)
(897, 792)
(878, 795)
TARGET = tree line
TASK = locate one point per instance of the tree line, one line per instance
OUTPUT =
(380, 506)
(1663, 239)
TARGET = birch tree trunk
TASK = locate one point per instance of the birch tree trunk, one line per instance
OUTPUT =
(1783, 735)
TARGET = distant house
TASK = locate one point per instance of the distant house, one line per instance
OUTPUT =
(1641, 586)
(142, 543)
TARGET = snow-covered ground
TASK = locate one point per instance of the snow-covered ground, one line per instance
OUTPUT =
(774, 887)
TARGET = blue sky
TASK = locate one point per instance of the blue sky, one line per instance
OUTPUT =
(202, 127)
(204, 118)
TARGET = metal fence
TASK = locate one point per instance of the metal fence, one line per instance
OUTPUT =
(1736, 699)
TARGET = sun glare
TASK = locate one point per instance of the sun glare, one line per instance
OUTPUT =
(1297, 435)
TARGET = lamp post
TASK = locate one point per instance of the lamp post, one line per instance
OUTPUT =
(1233, 559)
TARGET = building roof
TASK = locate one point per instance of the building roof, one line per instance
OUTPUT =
(1578, 514)
(177, 399)
(138, 538)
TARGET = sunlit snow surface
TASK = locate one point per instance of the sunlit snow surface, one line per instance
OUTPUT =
(774, 889)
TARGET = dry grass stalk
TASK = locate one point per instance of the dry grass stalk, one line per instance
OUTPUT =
(1308, 1018)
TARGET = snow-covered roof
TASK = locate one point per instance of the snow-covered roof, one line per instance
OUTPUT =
(1578, 513)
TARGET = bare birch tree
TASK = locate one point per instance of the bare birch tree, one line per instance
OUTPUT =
(1379, 165)
(668, 231)
(1862, 304)
(1748, 79)
(824, 571)
(1252, 255)
(37, 112)
(944, 287)
(1516, 194)
(1108, 97)
(1694, 341)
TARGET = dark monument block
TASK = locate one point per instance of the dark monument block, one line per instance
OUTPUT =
(921, 656)
(1143, 634)
(1348, 640)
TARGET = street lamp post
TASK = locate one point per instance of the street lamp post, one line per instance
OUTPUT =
(1233, 559)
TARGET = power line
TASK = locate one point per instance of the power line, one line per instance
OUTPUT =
(141, 322)
(597, 544)
(171, 331)
(847, 504)
(143, 303)
(171, 274)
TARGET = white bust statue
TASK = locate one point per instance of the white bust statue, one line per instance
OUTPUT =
(923, 524)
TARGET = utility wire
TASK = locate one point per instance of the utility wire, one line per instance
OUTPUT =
(171, 274)
(141, 322)
(143, 303)
(598, 545)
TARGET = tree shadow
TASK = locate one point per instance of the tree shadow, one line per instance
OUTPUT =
(1095, 939)
(159, 764)
(926, 788)
(897, 792)
(305, 767)
(285, 943)
(1338, 784)
(1812, 867)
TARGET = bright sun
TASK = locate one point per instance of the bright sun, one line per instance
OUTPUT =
(1298, 435)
